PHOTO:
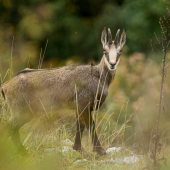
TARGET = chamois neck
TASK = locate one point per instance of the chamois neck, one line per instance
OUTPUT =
(107, 75)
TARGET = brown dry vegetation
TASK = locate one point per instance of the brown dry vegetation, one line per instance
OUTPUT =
(136, 86)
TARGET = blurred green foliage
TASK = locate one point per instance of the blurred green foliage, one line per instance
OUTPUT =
(73, 27)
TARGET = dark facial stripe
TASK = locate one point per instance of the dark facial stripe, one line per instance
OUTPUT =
(118, 55)
(106, 55)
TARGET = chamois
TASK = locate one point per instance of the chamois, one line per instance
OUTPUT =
(83, 88)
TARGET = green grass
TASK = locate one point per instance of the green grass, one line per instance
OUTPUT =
(38, 135)
(37, 138)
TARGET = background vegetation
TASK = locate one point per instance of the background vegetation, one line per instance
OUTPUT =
(65, 32)
(73, 28)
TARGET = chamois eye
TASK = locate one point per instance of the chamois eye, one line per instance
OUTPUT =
(119, 53)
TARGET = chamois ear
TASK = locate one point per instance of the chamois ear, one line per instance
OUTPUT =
(122, 39)
(104, 37)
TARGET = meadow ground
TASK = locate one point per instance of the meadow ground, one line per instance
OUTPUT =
(47, 148)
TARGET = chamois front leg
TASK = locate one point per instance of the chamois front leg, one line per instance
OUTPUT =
(90, 124)
(80, 128)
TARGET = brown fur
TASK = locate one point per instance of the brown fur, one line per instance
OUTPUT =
(83, 88)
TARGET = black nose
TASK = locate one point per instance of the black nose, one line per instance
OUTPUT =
(112, 65)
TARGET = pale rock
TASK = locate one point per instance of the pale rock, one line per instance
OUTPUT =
(113, 149)
(81, 160)
(68, 142)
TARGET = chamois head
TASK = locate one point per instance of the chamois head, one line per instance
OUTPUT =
(112, 49)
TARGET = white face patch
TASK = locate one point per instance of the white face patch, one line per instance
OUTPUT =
(112, 55)
(109, 66)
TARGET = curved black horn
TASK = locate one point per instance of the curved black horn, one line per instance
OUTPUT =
(109, 37)
(117, 37)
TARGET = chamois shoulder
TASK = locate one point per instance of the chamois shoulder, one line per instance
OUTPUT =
(27, 70)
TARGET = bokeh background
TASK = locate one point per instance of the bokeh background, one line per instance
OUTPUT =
(66, 32)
